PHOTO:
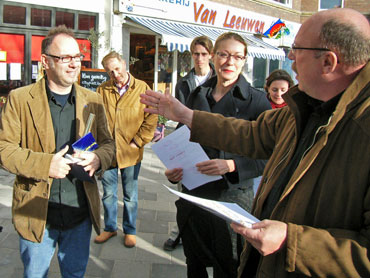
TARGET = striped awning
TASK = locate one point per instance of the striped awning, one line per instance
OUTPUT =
(178, 36)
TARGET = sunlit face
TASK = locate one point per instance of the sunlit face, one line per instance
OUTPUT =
(201, 57)
(116, 70)
(229, 60)
(276, 89)
(62, 74)
(306, 64)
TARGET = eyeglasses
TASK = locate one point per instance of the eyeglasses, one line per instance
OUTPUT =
(226, 56)
(308, 48)
(67, 59)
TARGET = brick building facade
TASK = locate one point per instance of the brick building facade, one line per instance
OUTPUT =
(294, 10)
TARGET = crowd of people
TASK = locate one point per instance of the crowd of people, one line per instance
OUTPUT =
(311, 149)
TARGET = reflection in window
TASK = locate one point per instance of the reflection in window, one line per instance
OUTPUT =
(14, 14)
(40, 17)
(259, 72)
(286, 2)
(329, 4)
(68, 19)
(86, 22)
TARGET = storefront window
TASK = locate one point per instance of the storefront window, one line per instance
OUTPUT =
(86, 22)
(184, 64)
(68, 19)
(14, 14)
(36, 70)
(284, 2)
(40, 17)
(259, 72)
(11, 62)
(85, 48)
(165, 67)
(142, 52)
(329, 4)
(273, 65)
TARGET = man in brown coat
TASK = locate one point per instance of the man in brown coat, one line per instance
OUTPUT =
(38, 124)
(314, 197)
(132, 128)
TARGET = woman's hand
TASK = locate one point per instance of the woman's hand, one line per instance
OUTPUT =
(174, 175)
(216, 167)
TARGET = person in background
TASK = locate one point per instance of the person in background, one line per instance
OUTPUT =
(277, 84)
(38, 124)
(313, 207)
(131, 129)
(207, 239)
(201, 49)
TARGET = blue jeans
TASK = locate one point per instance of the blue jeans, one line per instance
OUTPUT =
(129, 177)
(73, 252)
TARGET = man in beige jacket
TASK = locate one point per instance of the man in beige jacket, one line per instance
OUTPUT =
(37, 127)
(132, 128)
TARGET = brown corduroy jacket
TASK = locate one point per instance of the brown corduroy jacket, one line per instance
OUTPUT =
(127, 120)
(326, 203)
(27, 145)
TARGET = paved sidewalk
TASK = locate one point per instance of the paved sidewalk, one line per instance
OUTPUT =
(156, 216)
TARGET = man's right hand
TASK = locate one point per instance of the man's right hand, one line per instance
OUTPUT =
(167, 106)
(59, 167)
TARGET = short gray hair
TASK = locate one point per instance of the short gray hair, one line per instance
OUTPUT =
(345, 39)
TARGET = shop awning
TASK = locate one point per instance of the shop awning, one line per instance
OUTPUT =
(178, 36)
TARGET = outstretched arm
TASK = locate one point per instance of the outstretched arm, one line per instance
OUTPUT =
(167, 106)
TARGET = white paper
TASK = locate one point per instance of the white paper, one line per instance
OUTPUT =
(15, 71)
(176, 151)
(228, 211)
(3, 71)
(35, 71)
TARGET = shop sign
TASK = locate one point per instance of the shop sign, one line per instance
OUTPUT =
(199, 12)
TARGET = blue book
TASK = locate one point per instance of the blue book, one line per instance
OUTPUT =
(85, 143)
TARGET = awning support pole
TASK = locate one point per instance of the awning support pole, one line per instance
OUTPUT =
(156, 64)
(174, 71)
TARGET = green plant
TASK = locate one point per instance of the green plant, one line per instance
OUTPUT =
(162, 119)
(94, 38)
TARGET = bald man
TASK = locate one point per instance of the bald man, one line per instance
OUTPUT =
(314, 197)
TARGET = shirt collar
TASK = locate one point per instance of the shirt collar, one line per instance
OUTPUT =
(125, 87)
(49, 93)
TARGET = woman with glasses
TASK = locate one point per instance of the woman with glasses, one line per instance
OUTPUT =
(207, 239)
(277, 84)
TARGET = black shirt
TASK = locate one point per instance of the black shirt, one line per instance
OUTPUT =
(67, 202)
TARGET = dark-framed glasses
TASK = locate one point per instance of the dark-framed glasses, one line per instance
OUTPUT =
(226, 56)
(294, 47)
(67, 58)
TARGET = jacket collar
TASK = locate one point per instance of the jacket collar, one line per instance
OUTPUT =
(351, 97)
(40, 111)
(240, 89)
(112, 88)
(190, 75)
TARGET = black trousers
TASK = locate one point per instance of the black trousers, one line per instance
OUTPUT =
(206, 241)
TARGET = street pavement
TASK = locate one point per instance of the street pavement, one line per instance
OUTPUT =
(156, 216)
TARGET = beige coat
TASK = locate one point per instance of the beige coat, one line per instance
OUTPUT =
(326, 203)
(127, 120)
(27, 145)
